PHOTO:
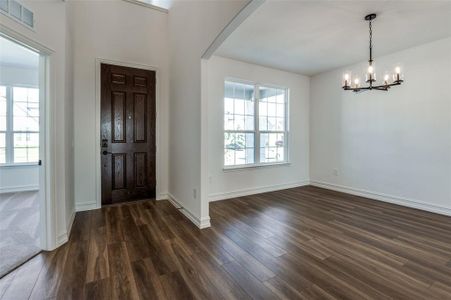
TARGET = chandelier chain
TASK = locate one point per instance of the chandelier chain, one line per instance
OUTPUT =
(371, 42)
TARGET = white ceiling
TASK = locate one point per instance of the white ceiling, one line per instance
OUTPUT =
(12, 54)
(310, 37)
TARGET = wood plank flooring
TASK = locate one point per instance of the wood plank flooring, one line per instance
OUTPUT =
(302, 243)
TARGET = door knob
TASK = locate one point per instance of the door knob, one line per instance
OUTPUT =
(106, 152)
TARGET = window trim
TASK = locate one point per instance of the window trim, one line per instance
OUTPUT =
(9, 133)
(257, 131)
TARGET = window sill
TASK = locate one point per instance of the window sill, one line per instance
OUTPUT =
(19, 165)
(255, 166)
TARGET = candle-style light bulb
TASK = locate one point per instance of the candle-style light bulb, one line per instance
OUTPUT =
(356, 82)
(346, 80)
(386, 78)
(370, 69)
(397, 75)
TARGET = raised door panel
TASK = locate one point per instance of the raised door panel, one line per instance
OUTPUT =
(119, 174)
(140, 166)
(118, 78)
(140, 81)
(140, 118)
(118, 110)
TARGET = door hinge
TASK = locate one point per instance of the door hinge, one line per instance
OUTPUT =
(40, 163)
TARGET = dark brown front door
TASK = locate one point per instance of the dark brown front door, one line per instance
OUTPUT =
(127, 134)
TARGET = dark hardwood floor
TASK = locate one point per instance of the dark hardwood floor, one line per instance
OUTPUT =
(302, 243)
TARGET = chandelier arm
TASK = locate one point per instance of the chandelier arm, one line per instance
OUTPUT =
(383, 87)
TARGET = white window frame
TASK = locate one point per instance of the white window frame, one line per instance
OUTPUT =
(9, 133)
(256, 131)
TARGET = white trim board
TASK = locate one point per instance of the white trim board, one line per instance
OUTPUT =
(64, 237)
(258, 190)
(22, 188)
(201, 223)
(383, 197)
(47, 92)
(85, 206)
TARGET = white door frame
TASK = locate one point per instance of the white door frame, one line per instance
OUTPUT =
(158, 157)
(47, 187)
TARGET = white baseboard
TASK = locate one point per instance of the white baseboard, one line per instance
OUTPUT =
(22, 188)
(383, 197)
(61, 239)
(201, 223)
(162, 196)
(85, 206)
(253, 191)
(64, 237)
(70, 223)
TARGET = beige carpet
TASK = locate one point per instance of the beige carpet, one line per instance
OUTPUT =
(19, 229)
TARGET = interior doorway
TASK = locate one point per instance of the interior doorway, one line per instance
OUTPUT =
(128, 141)
(21, 148)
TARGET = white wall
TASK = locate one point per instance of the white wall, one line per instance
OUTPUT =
(394, 146)
(238, 182)
(122, 32)
(19, 178)
(193, 25)
(50, 31)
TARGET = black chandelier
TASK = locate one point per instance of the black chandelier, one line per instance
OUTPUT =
(370, 77)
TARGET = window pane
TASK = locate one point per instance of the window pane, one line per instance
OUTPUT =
(2, 155)
(238, 106)
(228, 122)
(26, 147)
(263, 108)
(280, 124)
(26, 139)
(33, 154)
(249, 123)
(2, 108)
(263, 123)
(272, 109)
(228, 106)
(239, 122)
(238, 148)
(20, 155)
(2, 148)
(272, 147)
(280, 110)
(25, 109)
(249, 140)
(229, 157)
(249, 156)
(249, 109)
(272, 124)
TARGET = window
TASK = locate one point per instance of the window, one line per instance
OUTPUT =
(17, 11)
(19, 125)
(255, 124)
